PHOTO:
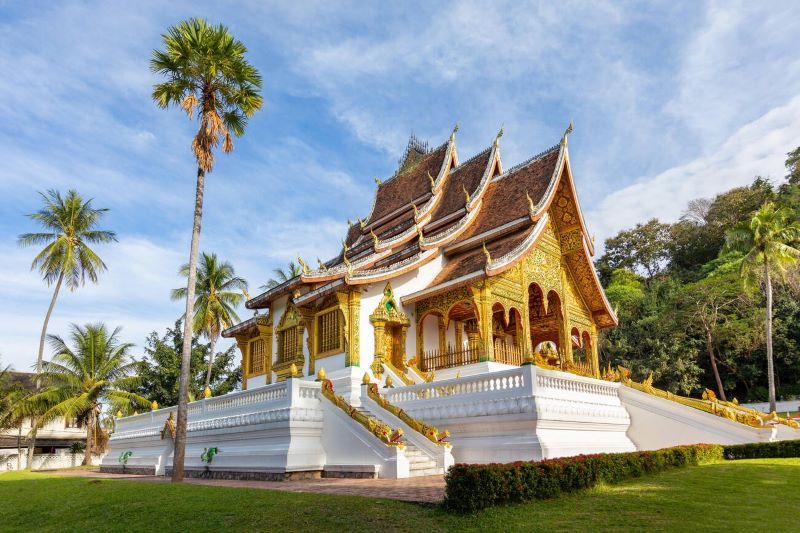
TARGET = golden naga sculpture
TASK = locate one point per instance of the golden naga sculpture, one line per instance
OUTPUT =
(709, 403)
(430, 432)
(169, 427)
(384, 433)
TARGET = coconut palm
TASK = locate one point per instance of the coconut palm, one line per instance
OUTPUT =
(12, 415)
(282, 276)
(96, 370)
(207, 74)
(218, 292)
(70, 226)
(768, 239)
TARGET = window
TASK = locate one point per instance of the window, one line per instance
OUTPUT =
(287, 344)
(329, 332)
(257, 351)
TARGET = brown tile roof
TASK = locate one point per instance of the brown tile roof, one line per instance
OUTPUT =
(505, 200)
(475, 259)
(466, 176)
(408, 184)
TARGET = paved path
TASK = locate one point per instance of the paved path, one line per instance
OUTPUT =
(425, 489)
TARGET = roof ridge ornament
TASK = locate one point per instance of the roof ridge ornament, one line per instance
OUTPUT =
(416, 211)
(453, 134)
(321, 264)
(303, 266)
(374, 238)
(497, 138)
(566, 133)
(433, 181)
(487, 254)
(466, 193)
(378, 181)
(531, 207)
(362, 223)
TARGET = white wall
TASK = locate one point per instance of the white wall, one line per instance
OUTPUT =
(45, 461)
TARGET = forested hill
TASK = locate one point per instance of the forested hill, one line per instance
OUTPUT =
(682, 304)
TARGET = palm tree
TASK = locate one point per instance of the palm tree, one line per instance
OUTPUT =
(282, 276)
(70, 226)
(768, 240)
(219, 291)
(206, 73)
(12, 415)
(97, 370)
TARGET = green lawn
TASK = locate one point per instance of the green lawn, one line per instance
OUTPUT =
(754, 495)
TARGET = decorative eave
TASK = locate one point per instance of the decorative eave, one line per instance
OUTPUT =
(435, 290)
(319, 292)
(599, 286)
(451, 233)
(362, 277)
(504, 262)
(581, 220)
(341, 270)
(262, 300)
(248, 326)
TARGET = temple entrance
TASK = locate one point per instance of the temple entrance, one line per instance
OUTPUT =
(391, 328)
(394, 350)
(546, 319)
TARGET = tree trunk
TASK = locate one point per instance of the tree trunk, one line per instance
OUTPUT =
(183, 390)
(213, 344)
(87, 451)
(39, 359)
(770, 364)
(710, 349)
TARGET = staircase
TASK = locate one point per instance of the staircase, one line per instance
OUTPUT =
(419, 463)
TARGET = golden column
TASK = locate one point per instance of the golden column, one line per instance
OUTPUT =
(380, 344)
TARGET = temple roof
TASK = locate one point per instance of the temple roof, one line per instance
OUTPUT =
(480, 219)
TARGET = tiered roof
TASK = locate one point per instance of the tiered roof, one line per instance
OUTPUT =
(483, 220)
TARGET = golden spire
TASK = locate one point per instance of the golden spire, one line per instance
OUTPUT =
(374, 238)
(119, 413)
(154, 405)
(293, 370)
(321, 374)
(365, 380)
(378, 181)
(321, 264)
(487, 254)
(362, 223)
(207, 392)
(389, 383)
(466, 192)
(433, 181)
(416, 211)
(453, 135)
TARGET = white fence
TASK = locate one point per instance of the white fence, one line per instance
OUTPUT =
(786, 406)
(44, 461)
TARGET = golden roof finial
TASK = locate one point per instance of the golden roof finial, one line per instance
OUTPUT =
(303, 266)
(321, 374)
(416, 211)
(566, 133)
(466, 192)
(433, 181)
(374, 237)
(594, 237)
(487, 254)
(362, 223)
(365, 380)
(246, 294)
(344, 246)
(378, 181)
(321, 264)
(499, 134)
(420, 236)
(154, 405)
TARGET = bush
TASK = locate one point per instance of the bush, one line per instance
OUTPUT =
(763, 450)
(471, 488)
(474, 487)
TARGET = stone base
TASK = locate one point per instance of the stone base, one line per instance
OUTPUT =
(349, 475)
(248, 476)
(121, 469)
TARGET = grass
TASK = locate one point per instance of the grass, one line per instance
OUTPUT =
(752, 495)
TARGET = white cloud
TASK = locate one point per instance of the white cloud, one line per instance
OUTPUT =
(758, 148)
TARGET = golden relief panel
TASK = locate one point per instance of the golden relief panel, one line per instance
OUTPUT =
(441, 303)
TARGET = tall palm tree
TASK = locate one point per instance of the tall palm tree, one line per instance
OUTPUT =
(96, 370)
(769, 240)
(281, 275)
(206, 73)
(70, 226)
(218, 292)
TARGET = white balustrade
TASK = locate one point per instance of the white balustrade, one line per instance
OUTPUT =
(510, 383)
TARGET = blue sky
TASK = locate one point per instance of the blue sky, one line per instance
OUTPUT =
(671, 101)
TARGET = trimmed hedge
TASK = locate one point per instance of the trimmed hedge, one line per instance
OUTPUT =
(471, 488)
(763, 450)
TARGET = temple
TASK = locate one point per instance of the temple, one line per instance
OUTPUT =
(457, 263)
(459, 322)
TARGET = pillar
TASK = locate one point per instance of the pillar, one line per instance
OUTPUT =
(380, 344)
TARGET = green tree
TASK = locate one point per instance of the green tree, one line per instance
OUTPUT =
(643, 249)
(160, 369)
(766, 240)
(218, 292)
(793, 166)
(207, 74)
(12, 414)
(97, 369)
(70, 226)
(282, 276)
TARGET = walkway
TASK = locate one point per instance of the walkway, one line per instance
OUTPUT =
(424, 489)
